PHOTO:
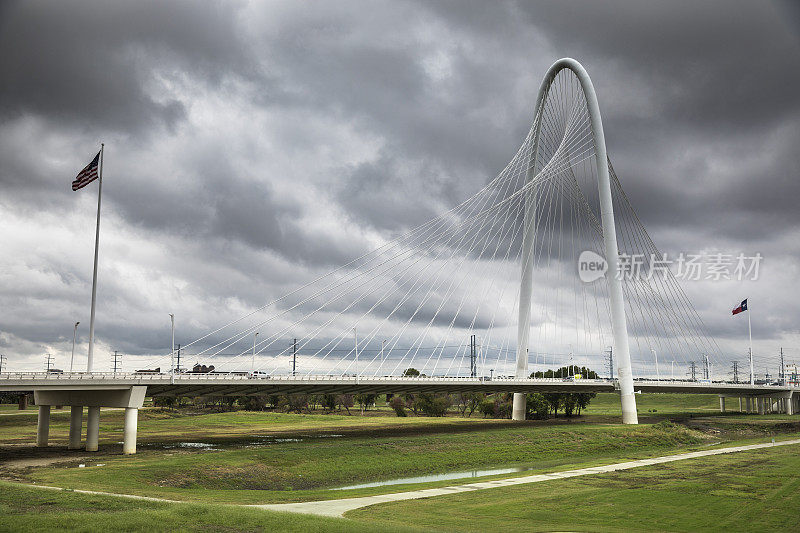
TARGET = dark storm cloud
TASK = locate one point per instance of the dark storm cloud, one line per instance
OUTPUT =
(261, 145)
(85, 64)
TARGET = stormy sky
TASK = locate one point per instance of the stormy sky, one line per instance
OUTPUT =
(251, 147)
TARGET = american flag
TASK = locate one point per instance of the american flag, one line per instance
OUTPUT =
(87, 175)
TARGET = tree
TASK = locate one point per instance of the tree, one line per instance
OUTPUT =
(468, 402)
(410, 373)
(346, 401)
(554, 401)
(583, 400)
(398, 405)
(536, 406)
(365, 400)
(329, 402)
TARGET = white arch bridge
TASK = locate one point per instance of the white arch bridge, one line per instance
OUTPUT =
(502, 269)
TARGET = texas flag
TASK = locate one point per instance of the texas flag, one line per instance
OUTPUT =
(742, 307)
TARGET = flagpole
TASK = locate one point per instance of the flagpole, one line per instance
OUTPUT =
(90, 359)
(750, 333)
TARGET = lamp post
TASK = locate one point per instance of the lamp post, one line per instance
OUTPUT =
(658, 376)
(253, 365)
(74, 333)
(172, 350)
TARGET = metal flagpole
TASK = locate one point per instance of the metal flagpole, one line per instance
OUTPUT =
(90, 359)
(750, 334)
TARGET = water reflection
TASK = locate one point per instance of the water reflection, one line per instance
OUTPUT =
(435, 477)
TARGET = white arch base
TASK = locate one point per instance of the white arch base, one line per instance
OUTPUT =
(619, 324)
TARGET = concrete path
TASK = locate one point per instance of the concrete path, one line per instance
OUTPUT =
(339, 507)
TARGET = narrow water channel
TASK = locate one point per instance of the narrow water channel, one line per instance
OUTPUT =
(435, 477)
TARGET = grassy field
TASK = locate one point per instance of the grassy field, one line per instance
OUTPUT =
(247, 457)
(24, 509)
(747, 491)
(304, 467)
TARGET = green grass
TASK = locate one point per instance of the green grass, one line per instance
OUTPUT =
(24, 509)
(746, 491)
(297, 471)
(663, 404)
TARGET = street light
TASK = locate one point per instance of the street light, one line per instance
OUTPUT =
(658, 376)
(253, 365)
(74, 333)
(172, 351)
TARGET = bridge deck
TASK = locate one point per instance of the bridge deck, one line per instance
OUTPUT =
(240, 385)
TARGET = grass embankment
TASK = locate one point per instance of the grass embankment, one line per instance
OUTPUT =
(305, 470)
(746, 491)
(24, 509)
(302, 465)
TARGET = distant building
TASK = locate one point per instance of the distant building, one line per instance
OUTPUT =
(791, 374)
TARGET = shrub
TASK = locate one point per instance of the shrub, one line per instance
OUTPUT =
(398, 405)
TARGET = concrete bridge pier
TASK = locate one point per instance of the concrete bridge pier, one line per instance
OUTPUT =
(75, 426)
(93, 428)
(43, 426)
(130, 398)
(740, 404)
(721, 403)
(129, 436)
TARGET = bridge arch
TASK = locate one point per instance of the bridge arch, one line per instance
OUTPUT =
(616, 297)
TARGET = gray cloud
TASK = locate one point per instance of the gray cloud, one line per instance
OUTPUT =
(253, 148)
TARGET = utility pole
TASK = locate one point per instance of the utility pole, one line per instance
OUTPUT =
(116, 358)
(736, 371)
(253, 362)
(472, 357)
(294, 356)
(782, 373)
(355, 336)
(172, 350)
(48, 362)
(178, 364)
(2, 360)
(693, 370)
(74, 334)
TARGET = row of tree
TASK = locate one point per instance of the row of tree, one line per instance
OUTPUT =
(538, 406)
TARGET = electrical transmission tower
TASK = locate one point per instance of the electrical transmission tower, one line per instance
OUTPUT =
(706, 369)
(610, 353)
(294, 357)
(473, 357)
(782, 373)
(48, 362)
(693, 370)
(2, 360)
(736, 371)
(178, 365)
(116, 360)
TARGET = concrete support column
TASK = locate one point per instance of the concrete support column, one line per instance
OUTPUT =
(75, 426)
(790, 405)
(43, 429)
(722, 404)
(129, 438)
(23, 402)
(740, 404)
(748, 405)
(92, 429)
(519, 406)
(762, 405)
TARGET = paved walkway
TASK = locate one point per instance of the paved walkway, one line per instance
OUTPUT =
(339, 507)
